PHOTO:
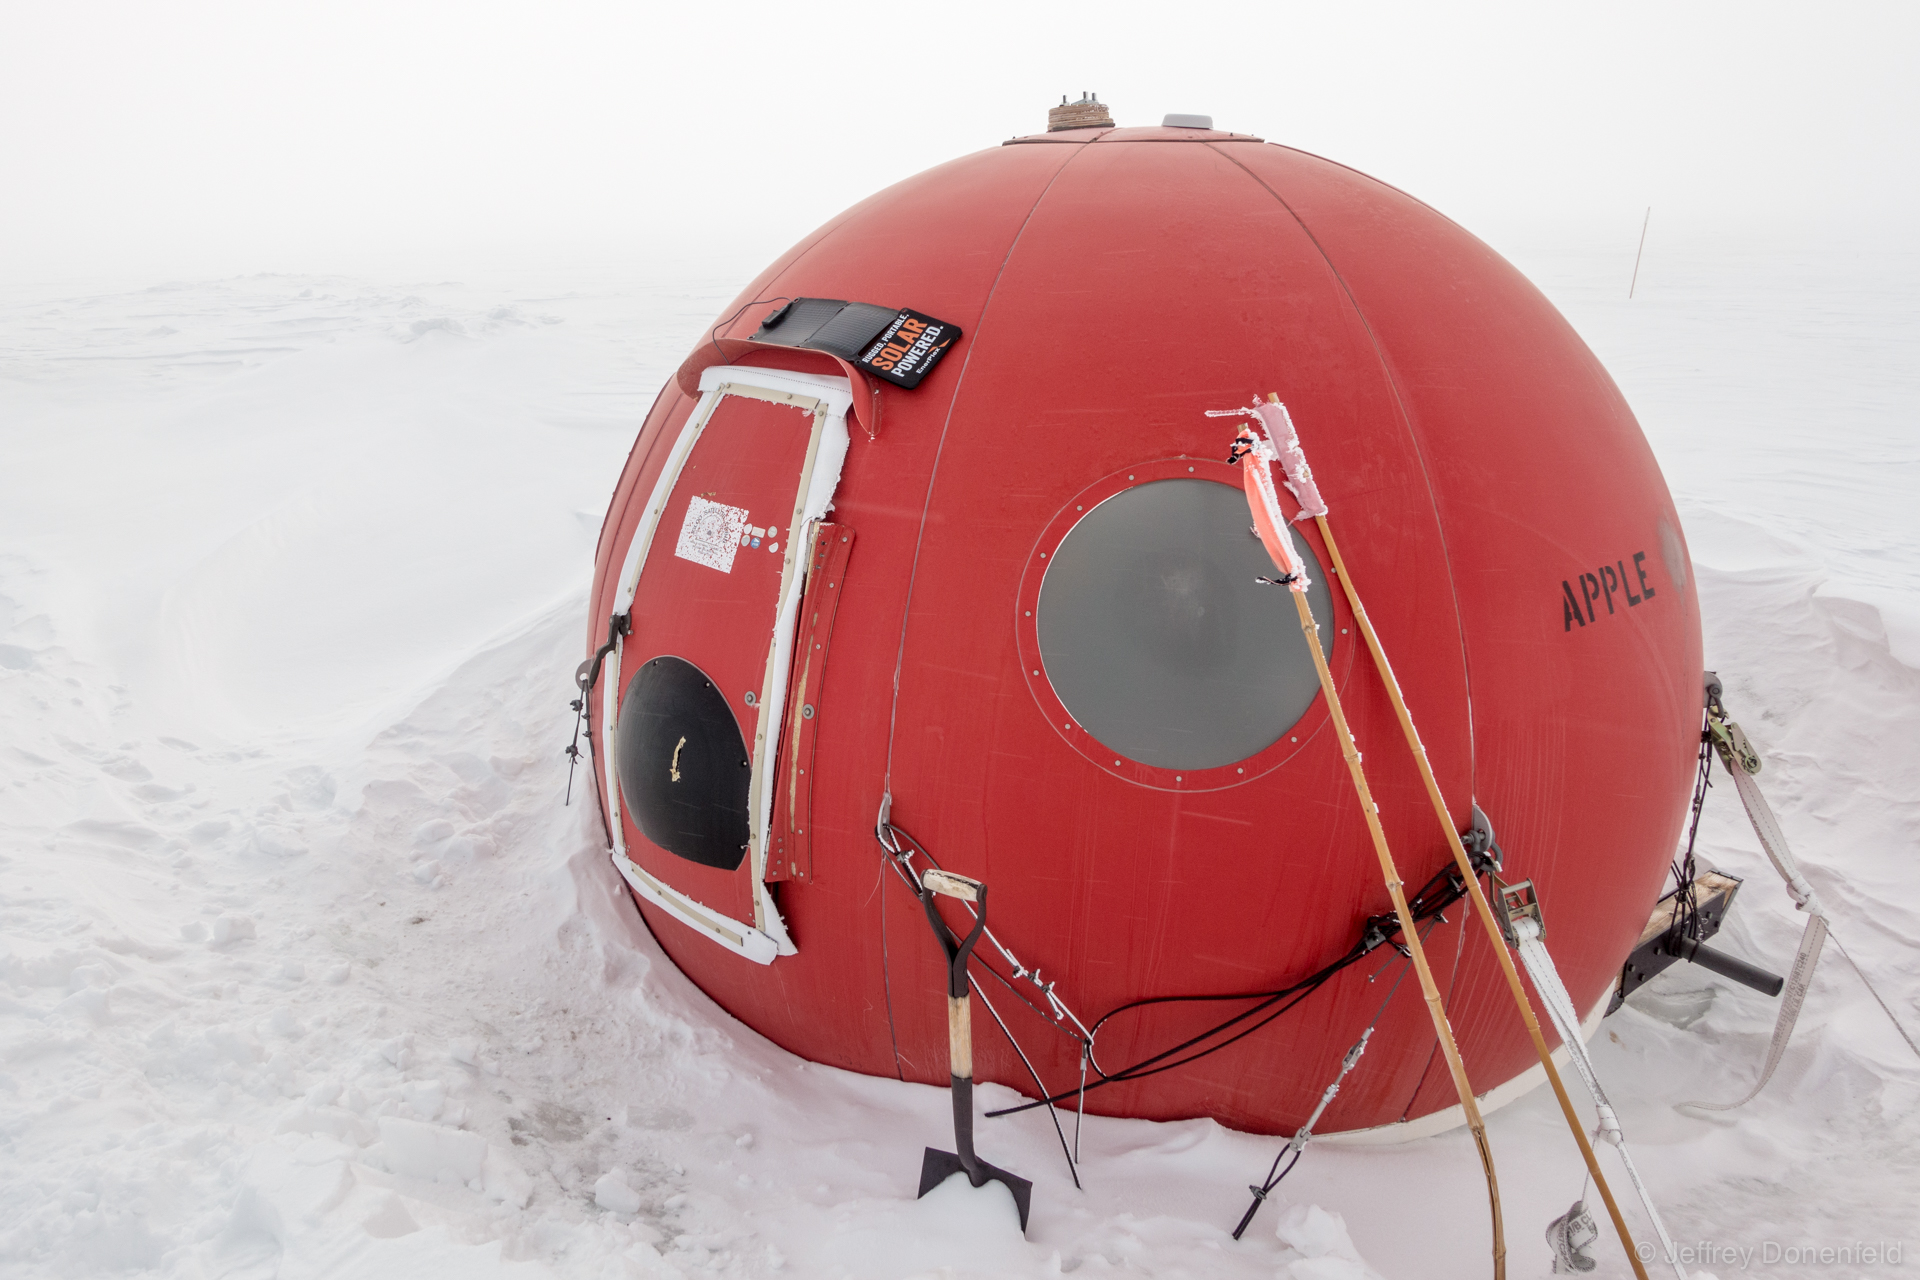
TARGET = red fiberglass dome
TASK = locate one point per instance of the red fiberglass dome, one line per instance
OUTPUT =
(931, 555)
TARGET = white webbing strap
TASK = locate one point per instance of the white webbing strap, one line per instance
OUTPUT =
(1800, 978)
(1570, 1236)
(1774, 841)
(1546, 981)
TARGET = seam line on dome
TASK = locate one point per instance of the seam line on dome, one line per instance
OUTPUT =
(1406, 420)
(920, 534)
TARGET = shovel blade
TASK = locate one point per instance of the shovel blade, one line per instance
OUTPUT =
(937, 1166)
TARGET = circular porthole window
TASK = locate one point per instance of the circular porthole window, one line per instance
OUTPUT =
(1159, 640)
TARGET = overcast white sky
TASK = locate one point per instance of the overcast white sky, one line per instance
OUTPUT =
(205, 135)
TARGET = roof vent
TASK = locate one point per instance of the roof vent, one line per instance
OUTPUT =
(1187, 122)
(1088, 113)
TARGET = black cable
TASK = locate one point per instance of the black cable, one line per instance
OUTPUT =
(1274, 1172)
(1060, 1133)
(713, 334)
(1154, 1065)
(1266, 998)
(1686, 922)
(1304, 988)
(1440, 892)
(886, 984)
(1265, 1189)
(1135, 1072)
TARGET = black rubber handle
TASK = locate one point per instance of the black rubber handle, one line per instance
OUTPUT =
(958, 949)
(963, 1129)
(1726, 966)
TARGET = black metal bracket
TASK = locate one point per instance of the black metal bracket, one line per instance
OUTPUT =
(1661, 947)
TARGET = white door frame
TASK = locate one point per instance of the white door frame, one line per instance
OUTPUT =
(827, 400)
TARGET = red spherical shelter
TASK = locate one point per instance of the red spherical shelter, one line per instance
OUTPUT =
(859, 580)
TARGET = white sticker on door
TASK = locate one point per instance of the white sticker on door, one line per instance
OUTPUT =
(710, 535)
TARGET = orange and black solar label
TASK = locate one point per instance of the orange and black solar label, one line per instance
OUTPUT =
(908, 348)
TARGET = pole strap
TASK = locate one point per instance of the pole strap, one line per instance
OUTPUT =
(1317, 508)
(1256, 455)
(1743, 765)
(1553, 994)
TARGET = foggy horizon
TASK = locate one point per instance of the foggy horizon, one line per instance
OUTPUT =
(217, 137)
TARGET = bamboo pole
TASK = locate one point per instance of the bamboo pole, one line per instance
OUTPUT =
(1428, 987)
(1258, 470)
(1480, 904)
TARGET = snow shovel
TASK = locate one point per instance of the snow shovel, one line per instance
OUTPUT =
(938, 1166)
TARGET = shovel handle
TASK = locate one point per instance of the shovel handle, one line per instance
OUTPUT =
(935, 883)
(962, 887)
(938, 1164)
(960, 1036)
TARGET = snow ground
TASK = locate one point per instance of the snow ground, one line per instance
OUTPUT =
(306, 971)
